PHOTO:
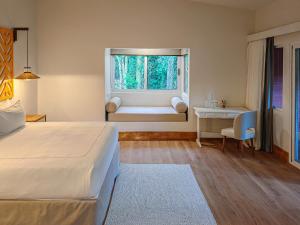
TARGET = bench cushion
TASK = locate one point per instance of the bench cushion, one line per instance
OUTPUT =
(113, 105)
(146, 114)
(179, 105)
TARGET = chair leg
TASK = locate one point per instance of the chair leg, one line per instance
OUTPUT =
(252, 146)
(241, 146)
(223, 146)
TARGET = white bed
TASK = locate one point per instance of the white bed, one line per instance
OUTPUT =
(58, 161)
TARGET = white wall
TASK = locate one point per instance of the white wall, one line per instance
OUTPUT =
(72, 36)
(278, 13)
(16, 13)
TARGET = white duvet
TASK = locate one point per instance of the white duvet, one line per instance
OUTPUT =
(56, 160)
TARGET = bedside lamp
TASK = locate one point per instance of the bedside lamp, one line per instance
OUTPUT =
(27, 91)
(27, 75)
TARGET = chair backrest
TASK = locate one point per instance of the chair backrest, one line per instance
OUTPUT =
(244, 122)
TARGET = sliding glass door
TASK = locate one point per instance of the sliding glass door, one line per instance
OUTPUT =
(296, 107)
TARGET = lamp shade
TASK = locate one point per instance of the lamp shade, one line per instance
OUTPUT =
(27, 76)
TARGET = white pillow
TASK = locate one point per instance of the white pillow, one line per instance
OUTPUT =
(11, 118)
(179, 105)
(113, 105)
(7, 103)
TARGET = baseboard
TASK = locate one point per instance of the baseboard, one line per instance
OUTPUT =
(157, 136)
(281, 154)
(166, 136)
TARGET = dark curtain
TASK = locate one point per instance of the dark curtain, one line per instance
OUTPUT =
(267, 98)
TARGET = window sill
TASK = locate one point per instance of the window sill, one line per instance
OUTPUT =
(185, 95)
(278, 109)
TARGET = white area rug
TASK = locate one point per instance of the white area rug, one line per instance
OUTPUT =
(160, 194)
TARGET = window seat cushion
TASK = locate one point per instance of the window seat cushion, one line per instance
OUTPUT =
(113, 104)
(146, 114)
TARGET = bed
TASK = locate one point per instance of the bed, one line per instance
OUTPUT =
(58, 173)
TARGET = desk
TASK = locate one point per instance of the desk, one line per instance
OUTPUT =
(215, 113)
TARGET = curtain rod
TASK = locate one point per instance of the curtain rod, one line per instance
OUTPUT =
(278, 31)
(145, 51)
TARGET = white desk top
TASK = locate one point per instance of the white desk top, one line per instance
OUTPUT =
(222, 113)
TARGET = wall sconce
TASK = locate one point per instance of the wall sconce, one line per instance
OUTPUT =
(27, 74)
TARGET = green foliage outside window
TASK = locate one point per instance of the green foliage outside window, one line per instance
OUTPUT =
(162, 72)
(130, 72)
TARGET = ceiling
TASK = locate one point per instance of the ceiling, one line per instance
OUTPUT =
(244, 4)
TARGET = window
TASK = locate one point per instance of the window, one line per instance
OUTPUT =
(278, 78)
(155, 72)
(162, 72)
(129, 72)
(186, 74)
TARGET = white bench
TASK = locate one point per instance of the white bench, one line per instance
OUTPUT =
(146, 114)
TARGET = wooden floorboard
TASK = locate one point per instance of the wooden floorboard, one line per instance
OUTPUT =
(240, 189)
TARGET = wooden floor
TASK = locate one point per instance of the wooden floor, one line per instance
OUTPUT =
(240, 189)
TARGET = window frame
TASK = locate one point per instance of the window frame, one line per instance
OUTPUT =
(184, 74)
(180, 75)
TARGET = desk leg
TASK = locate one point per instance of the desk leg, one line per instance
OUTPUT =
(198, 132)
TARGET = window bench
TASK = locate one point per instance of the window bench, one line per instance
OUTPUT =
(146, 114)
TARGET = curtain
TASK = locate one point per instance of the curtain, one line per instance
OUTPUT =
(256, 54)
(267, 99)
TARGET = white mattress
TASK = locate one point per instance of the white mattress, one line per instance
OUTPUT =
(56, 160)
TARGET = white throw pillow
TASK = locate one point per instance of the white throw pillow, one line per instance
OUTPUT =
(7, 103)
(11, 118)
(113, 105)
(179, 105)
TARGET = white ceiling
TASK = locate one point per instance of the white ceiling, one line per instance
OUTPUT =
(244, 4)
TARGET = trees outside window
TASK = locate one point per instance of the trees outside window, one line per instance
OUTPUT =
(145, 72)
(129, 72)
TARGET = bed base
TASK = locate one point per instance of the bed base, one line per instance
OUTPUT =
(62, 211)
